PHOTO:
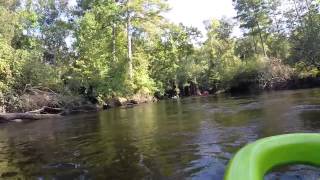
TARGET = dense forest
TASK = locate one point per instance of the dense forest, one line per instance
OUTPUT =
(102, 49)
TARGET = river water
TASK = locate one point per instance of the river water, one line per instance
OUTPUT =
(192, 138)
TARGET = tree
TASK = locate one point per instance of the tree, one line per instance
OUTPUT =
(305, 37)
(124, 27)
(253, 16)
(93, 45)
(172, 57)
(141, 15)
(219, 51)
(19, 53)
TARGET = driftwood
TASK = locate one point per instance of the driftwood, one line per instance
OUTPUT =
(6, 117)
(46, 113)
(43, 113)
(47, 110)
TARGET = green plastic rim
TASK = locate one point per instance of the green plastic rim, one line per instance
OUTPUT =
(255, 160)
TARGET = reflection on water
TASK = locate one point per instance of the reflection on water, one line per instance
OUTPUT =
(193, 138)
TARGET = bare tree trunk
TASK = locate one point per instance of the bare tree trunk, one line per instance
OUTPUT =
(129, 39)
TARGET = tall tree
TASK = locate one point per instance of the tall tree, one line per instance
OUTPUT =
(306, 35)
(142, 17)
(172, 60)
(129, 39)
(54, 27)
(113, 37)
(253, 16)
(219, 51)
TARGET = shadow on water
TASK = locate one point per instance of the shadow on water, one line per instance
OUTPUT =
(192, 138)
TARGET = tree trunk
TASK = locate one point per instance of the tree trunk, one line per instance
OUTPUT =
(47, 110)
(129, 39)
(262, 43)
(176, 86)
(254, 42)
(114, 42)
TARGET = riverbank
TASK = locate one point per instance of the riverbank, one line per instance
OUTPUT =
(42, 100)
(289, 84)
(42, 103)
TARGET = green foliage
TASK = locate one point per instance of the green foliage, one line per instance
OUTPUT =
(303, 70)
(172, 57)
(102, 46)
(278, 47)
(36, 73)
(20, 61)
(245, 75)
(219, 52)
(254, 18)
(10, 59)
(106, 48)
(306, 37)
(244, 48)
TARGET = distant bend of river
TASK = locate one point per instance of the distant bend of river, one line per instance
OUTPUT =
(192, 138)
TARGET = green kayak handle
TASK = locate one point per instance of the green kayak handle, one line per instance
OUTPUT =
(255, 160)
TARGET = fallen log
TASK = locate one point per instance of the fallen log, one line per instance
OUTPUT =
(47, 110)
(46, 113)
(6, 117)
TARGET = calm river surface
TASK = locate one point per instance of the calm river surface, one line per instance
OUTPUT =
(192, 138)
